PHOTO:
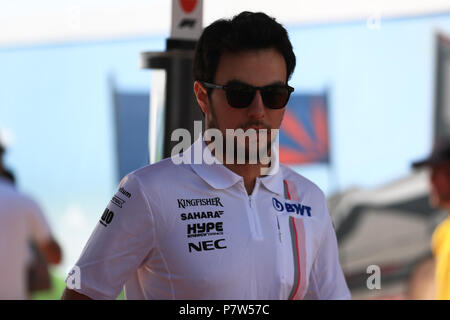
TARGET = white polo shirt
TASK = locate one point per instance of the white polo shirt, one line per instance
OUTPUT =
(21, 220)
(191, 231)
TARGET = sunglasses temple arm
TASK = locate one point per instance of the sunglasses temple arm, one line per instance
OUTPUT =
(212, 85)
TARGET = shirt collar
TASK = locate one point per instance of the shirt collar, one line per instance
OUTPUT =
(216, 175)
(274, 180)
(220, 177)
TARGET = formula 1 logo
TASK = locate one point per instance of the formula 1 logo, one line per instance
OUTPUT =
(189, 23)
(297, 208)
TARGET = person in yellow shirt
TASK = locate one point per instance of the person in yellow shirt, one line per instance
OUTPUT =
(441, 250)
(439, 164)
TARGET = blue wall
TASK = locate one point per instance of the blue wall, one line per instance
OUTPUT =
(380, 84)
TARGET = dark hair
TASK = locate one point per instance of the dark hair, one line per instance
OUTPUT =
(8, 175)
(2, 151)
(246, 31)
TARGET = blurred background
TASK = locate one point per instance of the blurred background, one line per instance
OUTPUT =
(369, 99)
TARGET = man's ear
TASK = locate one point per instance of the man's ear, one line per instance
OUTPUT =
(202, 97)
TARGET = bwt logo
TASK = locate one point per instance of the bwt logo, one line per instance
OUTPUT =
(291, 207)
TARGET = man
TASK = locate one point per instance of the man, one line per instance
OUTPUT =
(221, 230)
(439, 164)
(21, 221)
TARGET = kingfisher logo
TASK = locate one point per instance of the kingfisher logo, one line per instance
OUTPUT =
(297, 208)
(183, 203)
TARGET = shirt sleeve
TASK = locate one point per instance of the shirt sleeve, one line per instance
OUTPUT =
(327, 280)
(39, 229)
(118, 245)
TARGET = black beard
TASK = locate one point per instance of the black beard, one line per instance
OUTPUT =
(212, 124)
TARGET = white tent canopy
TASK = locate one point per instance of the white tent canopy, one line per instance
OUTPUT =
(25, 22)
(400, 191)
(389, 226)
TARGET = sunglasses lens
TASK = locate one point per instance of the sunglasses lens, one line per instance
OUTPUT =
(239, 96)
(275, 97)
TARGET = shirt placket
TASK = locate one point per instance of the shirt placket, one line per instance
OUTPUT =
(252, 214)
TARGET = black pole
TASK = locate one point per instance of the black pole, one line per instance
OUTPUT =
(181, 109)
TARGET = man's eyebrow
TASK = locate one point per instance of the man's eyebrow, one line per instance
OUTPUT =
(236, 81)
(278, 82)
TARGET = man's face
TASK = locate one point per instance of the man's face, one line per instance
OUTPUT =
(440, 185)
(254, 67)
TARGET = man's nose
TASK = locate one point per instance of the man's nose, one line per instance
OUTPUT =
(256, 108)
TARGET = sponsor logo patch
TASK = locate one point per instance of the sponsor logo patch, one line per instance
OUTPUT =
(125, 192)
(118, 201)
(290, 207)
(207, 245)
(183, 203)
(107, 217)
(201, 215)
(205, 229)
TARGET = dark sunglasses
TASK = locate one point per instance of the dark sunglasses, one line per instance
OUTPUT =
(241, 95)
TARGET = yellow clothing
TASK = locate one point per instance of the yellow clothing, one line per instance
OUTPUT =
(441, 251)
